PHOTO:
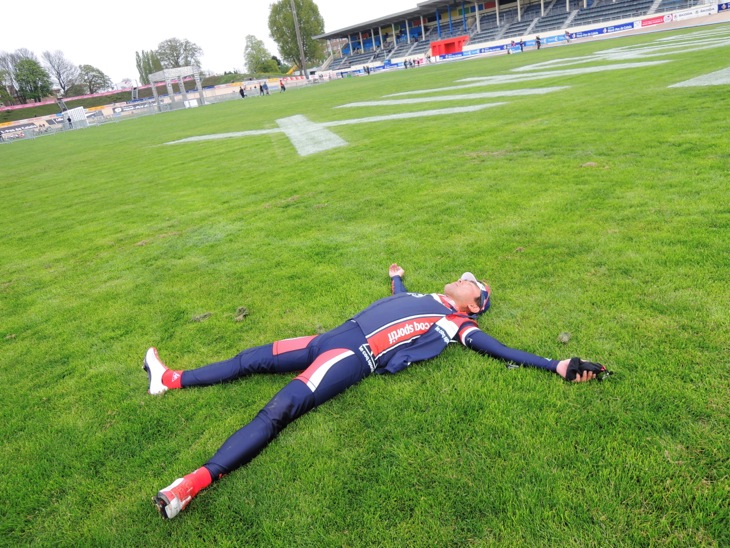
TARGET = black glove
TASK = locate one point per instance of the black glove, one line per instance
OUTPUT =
(577, 367)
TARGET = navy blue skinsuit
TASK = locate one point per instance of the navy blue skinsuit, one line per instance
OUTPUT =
(386, 337)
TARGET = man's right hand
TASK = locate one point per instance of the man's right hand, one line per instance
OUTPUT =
(396, 270)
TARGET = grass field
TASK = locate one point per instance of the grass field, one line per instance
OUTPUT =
(599, 210)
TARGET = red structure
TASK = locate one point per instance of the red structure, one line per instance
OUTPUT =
(450, 45)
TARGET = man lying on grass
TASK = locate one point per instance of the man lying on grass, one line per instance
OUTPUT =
(386, 337)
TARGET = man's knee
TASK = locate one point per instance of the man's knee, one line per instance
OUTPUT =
(291, 402)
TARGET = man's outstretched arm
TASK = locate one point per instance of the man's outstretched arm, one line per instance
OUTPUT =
(396, 274)
(575, 370)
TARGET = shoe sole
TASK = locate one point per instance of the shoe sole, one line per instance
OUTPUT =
(161, 389)
(161, 503)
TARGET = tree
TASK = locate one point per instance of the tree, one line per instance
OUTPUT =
(79, 88)
(283, 31)
(62, 70)
(93, 79)
(147, 63)
(8, 66)
(5, 98)
(174, 53)
(257, 58)
(33, 82)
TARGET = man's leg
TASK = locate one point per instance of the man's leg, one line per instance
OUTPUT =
(280, 357)
(332, 372)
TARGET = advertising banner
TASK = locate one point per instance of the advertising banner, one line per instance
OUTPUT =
(620, 28)
(660, 20)
(699, 11)
(16, 128)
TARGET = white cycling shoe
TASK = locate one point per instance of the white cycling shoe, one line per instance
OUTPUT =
(155, 369)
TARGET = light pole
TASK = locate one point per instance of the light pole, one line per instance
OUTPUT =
(302, 59)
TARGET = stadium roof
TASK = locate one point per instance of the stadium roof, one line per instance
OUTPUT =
(379, 22)
(428, 7)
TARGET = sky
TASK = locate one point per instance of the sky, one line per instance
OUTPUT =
(106, 35)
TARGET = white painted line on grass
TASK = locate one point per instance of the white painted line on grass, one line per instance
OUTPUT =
(511, 78)
(719, 78)
(231, 135)
(406, 115)
(308, 137)
(462, 97)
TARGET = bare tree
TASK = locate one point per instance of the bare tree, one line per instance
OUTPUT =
(63, 71)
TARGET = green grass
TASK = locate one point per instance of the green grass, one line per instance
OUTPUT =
(600, 211)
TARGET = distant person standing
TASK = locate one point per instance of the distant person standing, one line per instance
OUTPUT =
(538, 42)
(242, 92)
(282, 87)
(568, 37)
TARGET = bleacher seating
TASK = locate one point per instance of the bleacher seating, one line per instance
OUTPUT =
(507, 15)
(400, 50)
(518, 28)
(612, 11)
(673, 5)
(338, 64)
(556, 18)
(421, 47)
(530, 12)
(456, 28)
(488, 29)
(360, 58)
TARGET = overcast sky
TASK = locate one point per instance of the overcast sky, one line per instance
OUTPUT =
(107, 35)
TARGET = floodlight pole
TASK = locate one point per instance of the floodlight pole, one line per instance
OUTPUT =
(302, 59)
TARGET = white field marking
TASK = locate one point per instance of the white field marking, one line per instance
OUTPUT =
(225, 135)
(406, 115)
(697, 41)
(301, 128)
(511, 78)
(308, 137)
(719, 78)
(485, 95)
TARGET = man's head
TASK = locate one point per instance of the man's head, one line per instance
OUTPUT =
(471, 296)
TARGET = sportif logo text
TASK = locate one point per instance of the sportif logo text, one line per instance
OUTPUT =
(406, 330)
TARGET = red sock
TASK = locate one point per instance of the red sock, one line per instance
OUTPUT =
(172, 379)
(200, 479)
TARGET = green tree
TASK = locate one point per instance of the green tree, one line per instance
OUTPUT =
(311, 23)
(93, 79)
(174, 53)
(147, 63)
(5, 97)
(257, 58)
(8, 66)
(33, 82)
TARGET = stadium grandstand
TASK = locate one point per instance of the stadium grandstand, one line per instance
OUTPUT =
(437, 27)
